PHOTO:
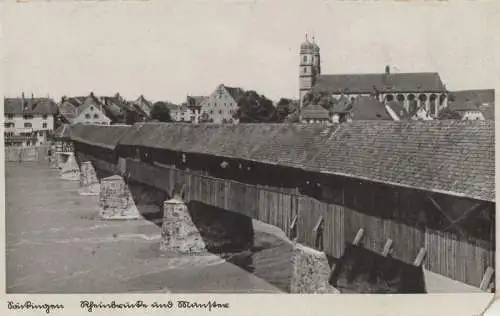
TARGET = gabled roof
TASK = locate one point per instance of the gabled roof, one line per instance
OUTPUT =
(479, 100)
(31, 106)
(235, 92)
(76, 101)
(62, 132)
(367, 83)
(399, 109)
(314, 112)
(450, 157)
(144, 105)
(195, 101)
(368, 108)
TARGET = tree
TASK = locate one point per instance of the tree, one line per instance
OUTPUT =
(161, 112)
(322, 98)
(255, 108)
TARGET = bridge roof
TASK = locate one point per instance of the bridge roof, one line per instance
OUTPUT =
(450, 157)
(98, 135)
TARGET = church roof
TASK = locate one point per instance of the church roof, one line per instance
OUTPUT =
(367, 83)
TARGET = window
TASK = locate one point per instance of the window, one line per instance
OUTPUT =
(27, 125)
(10, 116)
(92, 108)
(7, 134)
(305, 69)
(9, 124)
(211, 112)
(220, 111)
(305, 58)
(96, 116)
(44, 116)
(28, 117)
(87, 116)
(44, 125)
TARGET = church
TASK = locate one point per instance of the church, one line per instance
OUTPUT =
(422, 90)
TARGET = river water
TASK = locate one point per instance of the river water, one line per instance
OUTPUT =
(54, 244)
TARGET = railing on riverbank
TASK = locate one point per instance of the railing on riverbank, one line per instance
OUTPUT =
(23, 154)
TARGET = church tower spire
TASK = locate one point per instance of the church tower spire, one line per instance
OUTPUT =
(306, 71)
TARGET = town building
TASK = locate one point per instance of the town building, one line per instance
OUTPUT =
(425, 88)
(473, 104)
(314, 113)
(28, 121)
(121, 111)
(85, 110)
(102, 110)
(180, 113)
(221, 105)
(144, 105)
(363, 108)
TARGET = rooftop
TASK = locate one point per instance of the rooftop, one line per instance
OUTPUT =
(450, 157)
(367, 83)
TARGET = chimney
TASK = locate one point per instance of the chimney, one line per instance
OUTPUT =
(387, 70)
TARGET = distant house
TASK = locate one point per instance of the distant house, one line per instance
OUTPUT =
(421, 115)
(121, 111)
(365, 108)
(101, 110)
(314, 113)
(473, 104)
(144, 105)
(91, 111)
(28, 121)
(221, 105)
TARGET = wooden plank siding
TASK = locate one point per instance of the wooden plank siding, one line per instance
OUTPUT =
(458, 259)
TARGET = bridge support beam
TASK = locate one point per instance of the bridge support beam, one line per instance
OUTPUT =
(115, 200)
(311, 271)
(179, 233)
(89, 184)
(69, 168)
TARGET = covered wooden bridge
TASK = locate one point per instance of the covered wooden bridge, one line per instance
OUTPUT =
(421, 193)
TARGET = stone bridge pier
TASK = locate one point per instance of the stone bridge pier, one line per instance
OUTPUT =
(68, 166)
(190, 226)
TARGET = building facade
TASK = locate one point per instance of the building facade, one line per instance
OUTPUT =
(412, 90)
(28, 121)
(92, 112)
(221, 105)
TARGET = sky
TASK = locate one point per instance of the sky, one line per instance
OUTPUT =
(169, 49)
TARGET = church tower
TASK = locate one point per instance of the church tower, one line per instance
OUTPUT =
(309, 67)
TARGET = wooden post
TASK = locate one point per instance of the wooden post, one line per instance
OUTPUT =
(485, 282)
(317, 232)
(420, 257)
(358, 237)
(293, 227)
(387, 247)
